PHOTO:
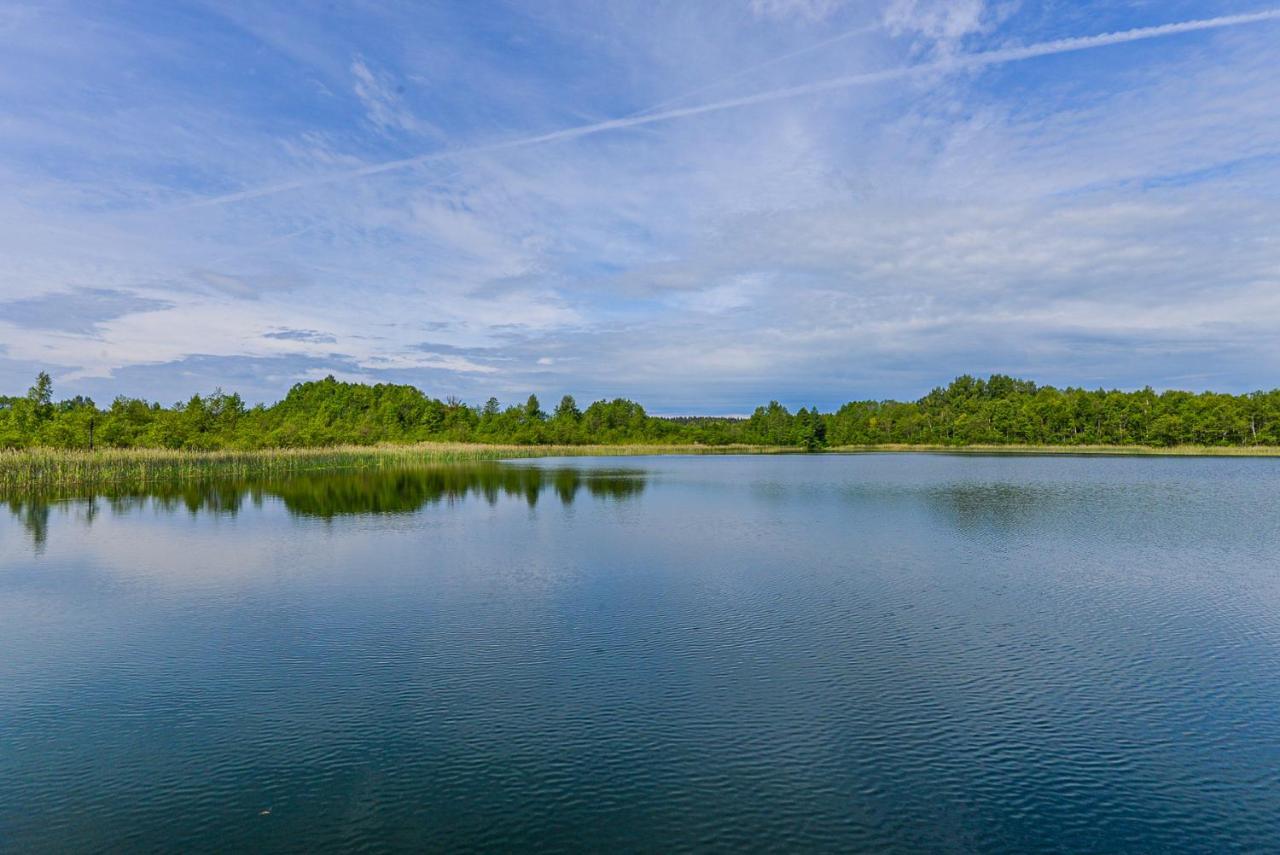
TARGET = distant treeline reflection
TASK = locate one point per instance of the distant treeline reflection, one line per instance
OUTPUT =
(339, 493)
(405, 491)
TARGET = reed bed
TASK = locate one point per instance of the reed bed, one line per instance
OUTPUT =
(42, 469)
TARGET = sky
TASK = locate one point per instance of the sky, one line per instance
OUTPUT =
(702, 205)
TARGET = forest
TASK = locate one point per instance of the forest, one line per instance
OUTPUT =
(998, 410)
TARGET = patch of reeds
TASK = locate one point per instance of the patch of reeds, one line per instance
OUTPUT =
(44, 469)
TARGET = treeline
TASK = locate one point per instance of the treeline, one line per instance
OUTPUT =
(969, 411)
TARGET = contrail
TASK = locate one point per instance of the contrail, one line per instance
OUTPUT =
(769, 63)
(955, 63)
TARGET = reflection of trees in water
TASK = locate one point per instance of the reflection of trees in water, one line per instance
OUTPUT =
(986, 506)
(405, 491)
(1121, 509)
(1003, 507)
(33, 516)
(366, 491)
(989, 507)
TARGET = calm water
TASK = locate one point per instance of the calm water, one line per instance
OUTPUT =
(805, 653)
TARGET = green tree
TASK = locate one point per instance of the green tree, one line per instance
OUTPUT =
(999, 409)
(40, 396)
(567, 410)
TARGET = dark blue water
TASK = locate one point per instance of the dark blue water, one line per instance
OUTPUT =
(803, 653)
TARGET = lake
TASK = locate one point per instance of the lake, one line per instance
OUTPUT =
(880, 652)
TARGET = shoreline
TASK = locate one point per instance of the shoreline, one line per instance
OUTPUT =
(33, 471)
(1070, 450)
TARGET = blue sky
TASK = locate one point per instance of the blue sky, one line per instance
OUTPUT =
(700, 205)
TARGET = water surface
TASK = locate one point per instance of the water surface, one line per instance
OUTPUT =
(804, 653)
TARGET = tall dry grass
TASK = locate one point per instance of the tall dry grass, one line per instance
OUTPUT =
(42, 469)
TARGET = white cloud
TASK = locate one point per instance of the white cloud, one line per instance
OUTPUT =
(807, 10)
(943, 21)
(382, 101)
(875, 239)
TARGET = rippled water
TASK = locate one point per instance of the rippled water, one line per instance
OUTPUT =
(804, 653)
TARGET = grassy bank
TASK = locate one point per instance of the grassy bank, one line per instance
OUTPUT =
(1113, 450)
(38, 470)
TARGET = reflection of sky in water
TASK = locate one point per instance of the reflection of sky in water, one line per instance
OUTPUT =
(843, 651)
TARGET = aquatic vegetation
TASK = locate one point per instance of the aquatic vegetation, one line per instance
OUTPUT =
(120, 470)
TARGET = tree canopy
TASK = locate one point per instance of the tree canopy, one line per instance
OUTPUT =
(968, 411)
